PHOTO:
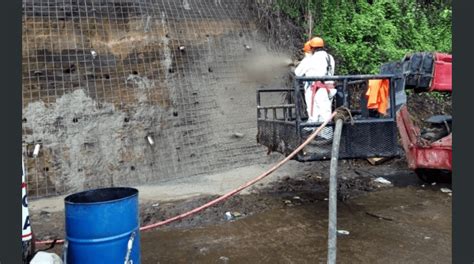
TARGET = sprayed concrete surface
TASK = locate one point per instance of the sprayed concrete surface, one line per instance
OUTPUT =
(284, 220)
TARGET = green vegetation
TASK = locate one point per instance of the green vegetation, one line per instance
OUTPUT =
(364, 34)
(440, 97)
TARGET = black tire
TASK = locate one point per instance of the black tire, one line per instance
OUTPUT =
(433, 175)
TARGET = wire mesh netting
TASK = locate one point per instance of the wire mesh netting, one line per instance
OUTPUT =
(122, 92)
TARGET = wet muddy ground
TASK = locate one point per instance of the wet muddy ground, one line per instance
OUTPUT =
(286, 222)
(414, 227)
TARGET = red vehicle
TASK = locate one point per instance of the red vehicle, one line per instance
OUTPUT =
(428, 151)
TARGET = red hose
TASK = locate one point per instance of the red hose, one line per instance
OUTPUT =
(229, 194)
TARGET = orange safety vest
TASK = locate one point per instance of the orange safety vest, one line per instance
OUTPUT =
(377, 95)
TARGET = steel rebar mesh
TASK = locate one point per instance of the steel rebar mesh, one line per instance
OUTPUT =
(104, 78)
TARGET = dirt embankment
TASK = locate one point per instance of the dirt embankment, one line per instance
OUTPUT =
(424, 105)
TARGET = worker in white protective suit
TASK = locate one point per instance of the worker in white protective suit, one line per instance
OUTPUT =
(318, 95)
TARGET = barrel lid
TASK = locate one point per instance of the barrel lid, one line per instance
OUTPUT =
(102, 195)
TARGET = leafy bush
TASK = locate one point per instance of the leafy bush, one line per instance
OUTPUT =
(363, 34)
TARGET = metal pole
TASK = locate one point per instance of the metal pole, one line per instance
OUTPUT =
(332, 229)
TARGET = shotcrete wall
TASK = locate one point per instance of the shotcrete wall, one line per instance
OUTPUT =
(101, 76)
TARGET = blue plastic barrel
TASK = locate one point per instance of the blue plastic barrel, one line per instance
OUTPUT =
(99, 225)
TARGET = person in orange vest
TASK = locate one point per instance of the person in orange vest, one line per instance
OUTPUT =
(318, 101)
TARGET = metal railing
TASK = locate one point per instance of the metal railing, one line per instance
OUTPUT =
(284, 122)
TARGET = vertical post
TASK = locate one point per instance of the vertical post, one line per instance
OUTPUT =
(290, 101)
(346, 103)
(391, 93)
(296, 87)
(297, 102)
(393, 109)
(332, 229)
(258, 104)
(346, 98)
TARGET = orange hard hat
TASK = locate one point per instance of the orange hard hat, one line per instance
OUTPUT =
(316, 42)
(307, 47)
